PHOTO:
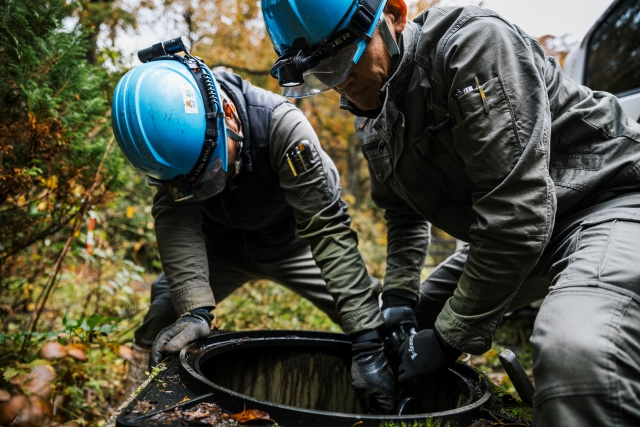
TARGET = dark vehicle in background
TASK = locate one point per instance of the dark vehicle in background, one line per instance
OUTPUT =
(608, 58)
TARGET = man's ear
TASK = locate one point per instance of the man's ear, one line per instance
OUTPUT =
(397, 11)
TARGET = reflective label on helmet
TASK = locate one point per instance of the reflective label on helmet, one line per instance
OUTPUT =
(189, 98)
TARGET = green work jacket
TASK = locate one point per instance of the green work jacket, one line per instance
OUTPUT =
(496, 170)
(252, 217)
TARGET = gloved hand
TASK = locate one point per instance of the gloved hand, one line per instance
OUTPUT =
(190, 327)
(399, 319)
(371, 375)
(425, 354)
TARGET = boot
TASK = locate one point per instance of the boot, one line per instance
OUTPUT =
(138, 367)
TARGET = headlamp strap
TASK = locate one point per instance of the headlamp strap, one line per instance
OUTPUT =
(181, 187)
(213, 111)
(363, 18)
(387, 37)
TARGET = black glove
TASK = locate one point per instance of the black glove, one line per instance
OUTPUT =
(371, 375)
(424, 354)
(190, 327)
(399, 319)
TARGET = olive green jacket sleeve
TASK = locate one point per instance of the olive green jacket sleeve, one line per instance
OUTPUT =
(182, 248)
(323, 221)
(504, 143)
(407, 238)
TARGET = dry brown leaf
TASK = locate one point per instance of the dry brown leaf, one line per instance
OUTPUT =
(18, 379)
(7, 309)
(5, 396)
(77, 352)
(45, 405)
(249, 415)
(38, 382)
(53, 350)
(10, 410)
(38, 388)
(43, 373)
(31, 416)
(126, 353)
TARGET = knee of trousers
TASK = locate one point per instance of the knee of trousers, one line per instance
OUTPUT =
(575, 344)
(160, 315)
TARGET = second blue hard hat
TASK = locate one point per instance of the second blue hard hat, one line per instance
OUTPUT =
(318, 42)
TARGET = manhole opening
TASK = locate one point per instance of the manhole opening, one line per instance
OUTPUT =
(314, 377)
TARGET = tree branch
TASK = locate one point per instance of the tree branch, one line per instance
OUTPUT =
(51, 282)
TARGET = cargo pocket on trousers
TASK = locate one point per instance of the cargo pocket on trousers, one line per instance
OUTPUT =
(606, 252)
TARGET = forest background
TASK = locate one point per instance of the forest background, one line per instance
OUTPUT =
(69, 303)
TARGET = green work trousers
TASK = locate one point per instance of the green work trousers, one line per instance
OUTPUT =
(228, 271)
(586, 340)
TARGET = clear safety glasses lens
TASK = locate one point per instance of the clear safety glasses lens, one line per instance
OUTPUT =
(212, 183)
(329, 73)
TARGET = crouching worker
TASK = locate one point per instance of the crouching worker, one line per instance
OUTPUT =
(244, 192)
(467, 125)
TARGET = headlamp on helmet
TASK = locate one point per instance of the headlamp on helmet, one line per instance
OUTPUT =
(304, 69)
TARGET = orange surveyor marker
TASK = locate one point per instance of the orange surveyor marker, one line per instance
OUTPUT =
(92, 225)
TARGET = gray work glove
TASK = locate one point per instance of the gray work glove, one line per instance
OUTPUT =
(399, 319)
(423, 355)
(371, 376)
(191, 326)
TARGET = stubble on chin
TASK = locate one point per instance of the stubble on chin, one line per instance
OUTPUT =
(367, 103)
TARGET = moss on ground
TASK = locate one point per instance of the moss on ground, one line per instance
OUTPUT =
(505, 403)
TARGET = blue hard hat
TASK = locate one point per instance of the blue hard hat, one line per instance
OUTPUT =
(318, 42)
(171, 126)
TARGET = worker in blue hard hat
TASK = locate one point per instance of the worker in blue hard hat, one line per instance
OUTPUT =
(244, 192)
(466, 124)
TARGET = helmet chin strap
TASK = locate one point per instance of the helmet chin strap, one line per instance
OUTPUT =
(389, 41)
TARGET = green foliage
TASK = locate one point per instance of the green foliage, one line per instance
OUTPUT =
(86, 328)
(266, 305)
(53, 126)
(83, 317)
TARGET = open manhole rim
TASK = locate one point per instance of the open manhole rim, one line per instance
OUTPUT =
(191, 357)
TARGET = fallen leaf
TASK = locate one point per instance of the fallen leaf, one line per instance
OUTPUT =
(43, 373)
(18, 379)
(7, 309)
(77, 352)
(205, 414)
(249, 415)
(143, 406)
(126, 353)
(5, 396)
(45, 405)
(38, 382)
(53, 350)
(10, 410)
(31, 416)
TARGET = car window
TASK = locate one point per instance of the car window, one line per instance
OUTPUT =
(614, 51)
